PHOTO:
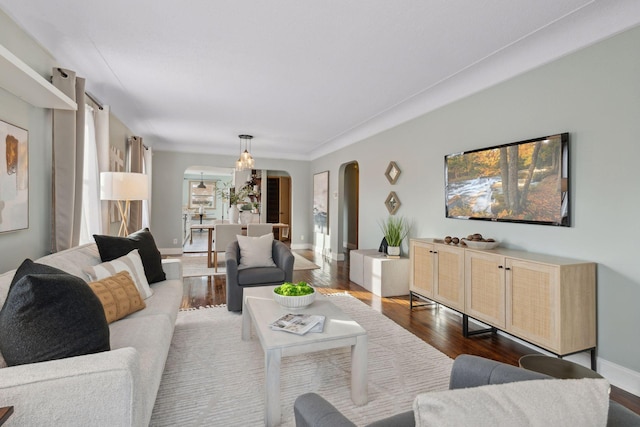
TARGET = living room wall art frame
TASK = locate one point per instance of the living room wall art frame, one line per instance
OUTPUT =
(14, 178)
(202, 196)
(321, 202)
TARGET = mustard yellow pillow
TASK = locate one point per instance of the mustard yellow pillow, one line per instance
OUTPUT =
(118, 295)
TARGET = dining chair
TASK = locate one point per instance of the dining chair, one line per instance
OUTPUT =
(223, 234)
(257, 230)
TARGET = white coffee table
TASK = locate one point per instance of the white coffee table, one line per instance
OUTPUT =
(339, 331)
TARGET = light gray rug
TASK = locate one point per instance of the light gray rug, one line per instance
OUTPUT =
(196, 265)
(214, 378)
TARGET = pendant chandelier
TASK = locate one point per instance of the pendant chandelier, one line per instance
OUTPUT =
(245, 161)
(201, 185)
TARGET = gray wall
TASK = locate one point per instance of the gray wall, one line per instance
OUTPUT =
(166, 210)
(35, 241)
(594, 95)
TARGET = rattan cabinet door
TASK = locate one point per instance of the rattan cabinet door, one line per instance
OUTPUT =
(533, 298)
(422, 268)
(485, 287)
(449, 283)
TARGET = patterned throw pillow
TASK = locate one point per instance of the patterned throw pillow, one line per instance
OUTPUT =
(130, 263)
(118, 295)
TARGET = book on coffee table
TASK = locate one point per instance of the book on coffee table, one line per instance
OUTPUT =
(299, 324)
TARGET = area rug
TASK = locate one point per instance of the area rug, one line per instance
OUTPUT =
(194, 266)
(214, 378)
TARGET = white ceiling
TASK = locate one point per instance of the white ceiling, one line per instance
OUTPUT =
(305, 78)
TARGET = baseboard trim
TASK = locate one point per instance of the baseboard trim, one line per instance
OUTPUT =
(170, 251)
(624, 378)
(301, 246)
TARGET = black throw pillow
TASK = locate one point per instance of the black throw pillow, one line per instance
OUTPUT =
(30, 267)
(51, 316)
(111, 247)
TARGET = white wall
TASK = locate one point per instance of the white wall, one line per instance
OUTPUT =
(594, 95)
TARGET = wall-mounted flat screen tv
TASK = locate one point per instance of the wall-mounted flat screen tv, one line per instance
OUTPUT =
(525, 181)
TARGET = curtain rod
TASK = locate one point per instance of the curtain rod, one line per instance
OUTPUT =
(93, 98)
(133, 137)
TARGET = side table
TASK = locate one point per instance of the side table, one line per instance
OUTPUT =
(380, 275)
(5, 413)
(556, 367)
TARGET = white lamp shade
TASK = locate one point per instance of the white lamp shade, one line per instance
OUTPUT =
(123, 186)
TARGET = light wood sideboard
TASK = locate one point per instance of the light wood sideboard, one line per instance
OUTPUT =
(545, 300)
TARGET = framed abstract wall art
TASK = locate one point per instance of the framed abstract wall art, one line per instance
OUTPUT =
(321, 202)
(14, 178)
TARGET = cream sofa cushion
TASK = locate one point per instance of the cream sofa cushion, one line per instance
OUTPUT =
(543, 403)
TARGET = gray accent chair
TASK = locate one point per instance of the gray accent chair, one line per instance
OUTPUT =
(311, 410)
(239, 278)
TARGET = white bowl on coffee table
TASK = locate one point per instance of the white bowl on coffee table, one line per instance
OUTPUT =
(295, 302)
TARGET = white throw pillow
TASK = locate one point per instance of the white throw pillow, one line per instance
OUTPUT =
(256, 251)
(131, 262)
(544, 403)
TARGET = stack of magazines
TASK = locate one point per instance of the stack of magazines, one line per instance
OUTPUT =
(299, 324)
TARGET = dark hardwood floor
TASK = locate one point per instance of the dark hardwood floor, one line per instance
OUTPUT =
(438, 326)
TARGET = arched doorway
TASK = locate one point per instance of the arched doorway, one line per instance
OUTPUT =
(349, 214)
(202, 204)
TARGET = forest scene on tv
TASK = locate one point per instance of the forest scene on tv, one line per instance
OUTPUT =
(518, 182)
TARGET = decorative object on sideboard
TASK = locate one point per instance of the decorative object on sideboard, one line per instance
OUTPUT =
(392, 173)
(477, 244)
(14, 178)
(392, 203)
(473, 241)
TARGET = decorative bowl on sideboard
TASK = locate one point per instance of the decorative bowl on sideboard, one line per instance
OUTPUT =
(476, 244)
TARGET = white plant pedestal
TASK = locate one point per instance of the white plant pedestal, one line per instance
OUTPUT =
(380, 275)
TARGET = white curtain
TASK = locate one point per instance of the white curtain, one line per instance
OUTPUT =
(91, 217)
(101, 116)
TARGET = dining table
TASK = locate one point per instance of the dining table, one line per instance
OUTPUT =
(211, 227)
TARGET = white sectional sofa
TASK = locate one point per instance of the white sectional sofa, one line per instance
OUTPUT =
(112, 388)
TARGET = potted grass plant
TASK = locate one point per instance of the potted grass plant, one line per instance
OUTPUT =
(395, 229)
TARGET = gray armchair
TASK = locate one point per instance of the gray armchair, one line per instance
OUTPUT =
(311, 410)
(237, 279)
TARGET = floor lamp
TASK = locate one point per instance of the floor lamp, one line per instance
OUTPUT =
(123, 186)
